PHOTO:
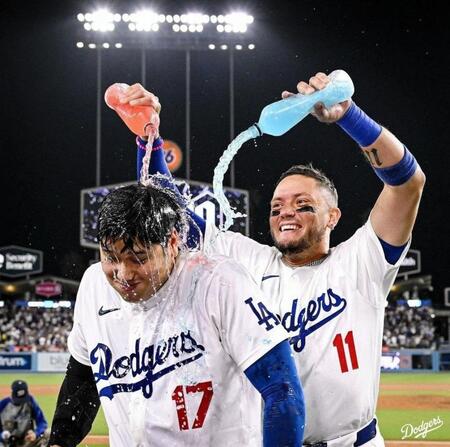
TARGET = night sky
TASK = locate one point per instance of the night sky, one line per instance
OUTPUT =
(396, 53)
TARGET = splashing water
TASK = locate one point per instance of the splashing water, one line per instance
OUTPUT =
(222, 167)
(144, 175)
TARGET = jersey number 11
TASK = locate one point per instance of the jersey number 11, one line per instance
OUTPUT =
(339, 345)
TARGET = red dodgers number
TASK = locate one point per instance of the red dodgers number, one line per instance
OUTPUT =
(339, 345)
(178, 396)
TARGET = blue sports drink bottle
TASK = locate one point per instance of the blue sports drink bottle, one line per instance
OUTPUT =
(277, 118)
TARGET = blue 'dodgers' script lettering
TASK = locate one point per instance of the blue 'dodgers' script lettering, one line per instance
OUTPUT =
(318, 311)
(144, 360)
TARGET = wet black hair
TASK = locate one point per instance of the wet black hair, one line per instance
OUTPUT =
(310, 171)
(141, 214)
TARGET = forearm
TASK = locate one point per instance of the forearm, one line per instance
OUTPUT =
(274, 375)
(395, 211)
(158, 165)
(76, 408)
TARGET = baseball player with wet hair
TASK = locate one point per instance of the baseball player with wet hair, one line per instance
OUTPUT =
(331, 300)
(169, 341)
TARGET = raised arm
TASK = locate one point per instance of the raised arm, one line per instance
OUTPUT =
(395, 210)
(137, 95)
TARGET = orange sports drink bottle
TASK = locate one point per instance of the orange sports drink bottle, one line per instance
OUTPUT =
(141, 120)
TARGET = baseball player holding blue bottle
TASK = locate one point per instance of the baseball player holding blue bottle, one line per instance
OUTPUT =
(330, 299)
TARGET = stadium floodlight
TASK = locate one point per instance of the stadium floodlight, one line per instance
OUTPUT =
(192, 30)
(193, 18)
(145, 16)
(102, 20)
(145, 20)
(238, 18)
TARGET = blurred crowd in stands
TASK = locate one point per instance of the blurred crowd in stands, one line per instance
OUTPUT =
(42, 329)
(34, 329)
(408, 327)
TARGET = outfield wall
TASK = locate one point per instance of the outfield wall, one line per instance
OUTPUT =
(33, 361)
(402, 360)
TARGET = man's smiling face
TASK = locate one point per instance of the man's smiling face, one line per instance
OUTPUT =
(299, 214)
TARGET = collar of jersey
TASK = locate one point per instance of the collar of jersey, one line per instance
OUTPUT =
(309, 264)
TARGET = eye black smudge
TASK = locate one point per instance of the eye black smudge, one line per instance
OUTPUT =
(306, 209)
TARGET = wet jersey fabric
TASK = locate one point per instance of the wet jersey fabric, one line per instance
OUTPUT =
(169, 371)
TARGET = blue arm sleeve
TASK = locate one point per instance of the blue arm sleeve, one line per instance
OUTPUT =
(197, 225)
(391, 252)
(41, 423)
(275, 376)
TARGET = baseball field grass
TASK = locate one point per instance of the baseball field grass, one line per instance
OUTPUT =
(407, 402)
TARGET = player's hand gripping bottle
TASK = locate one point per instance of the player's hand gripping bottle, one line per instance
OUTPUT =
(141, 120)
(277, 118)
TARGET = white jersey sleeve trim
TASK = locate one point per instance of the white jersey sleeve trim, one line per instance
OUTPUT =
(258, 353)
(374, 236)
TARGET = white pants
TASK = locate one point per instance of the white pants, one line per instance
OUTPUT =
(349, 440)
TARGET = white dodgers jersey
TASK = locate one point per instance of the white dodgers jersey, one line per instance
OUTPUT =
(334, 314)
(169, 371)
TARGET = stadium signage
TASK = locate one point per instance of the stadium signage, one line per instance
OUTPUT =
(411, 264)
(18, 261)
(15, 361)
(52, 361)
(48, 289)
